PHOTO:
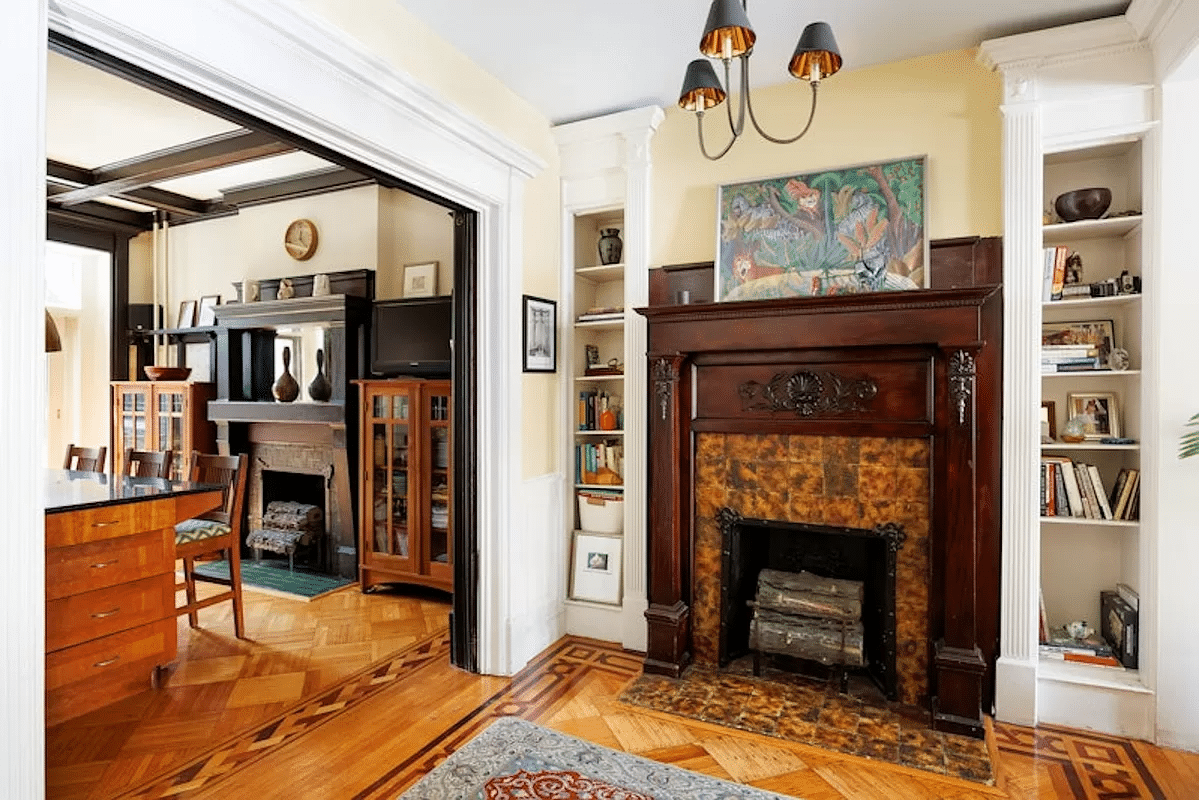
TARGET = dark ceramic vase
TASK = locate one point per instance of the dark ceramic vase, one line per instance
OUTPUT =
(610, 246)
(286, 389)
(320, 389)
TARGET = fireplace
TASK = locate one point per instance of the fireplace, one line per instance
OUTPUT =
(851, 412)
(860, 555)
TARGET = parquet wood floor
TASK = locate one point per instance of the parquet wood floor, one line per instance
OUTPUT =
(352, 696)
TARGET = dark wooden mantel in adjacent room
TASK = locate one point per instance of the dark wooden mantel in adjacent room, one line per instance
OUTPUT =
(923, 364)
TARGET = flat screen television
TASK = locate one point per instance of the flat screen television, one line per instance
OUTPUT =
(412, 337)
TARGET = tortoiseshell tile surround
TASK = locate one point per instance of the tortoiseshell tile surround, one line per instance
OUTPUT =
(855, 482)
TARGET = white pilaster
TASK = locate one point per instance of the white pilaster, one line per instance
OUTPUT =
(1016, 670)
(23, 397)
(605, 165)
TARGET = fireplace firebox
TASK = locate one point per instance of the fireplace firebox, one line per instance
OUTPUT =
(857, 554)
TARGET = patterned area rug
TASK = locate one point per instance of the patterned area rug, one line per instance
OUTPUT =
(806, 711)
(514, 759)
(274, 577)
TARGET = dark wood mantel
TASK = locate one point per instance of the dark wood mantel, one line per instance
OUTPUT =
(923, 364)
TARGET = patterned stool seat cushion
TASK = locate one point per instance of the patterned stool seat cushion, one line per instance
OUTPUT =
(193, 530)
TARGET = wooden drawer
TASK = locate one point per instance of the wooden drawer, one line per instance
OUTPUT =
(108, 522)
(91, 675)
(95, 565)
(91, 615)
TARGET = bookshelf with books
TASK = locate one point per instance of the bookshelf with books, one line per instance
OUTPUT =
(1091, 373)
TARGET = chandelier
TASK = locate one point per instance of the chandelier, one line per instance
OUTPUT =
(728, 35)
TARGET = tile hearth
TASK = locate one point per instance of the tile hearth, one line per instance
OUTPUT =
(807, 711)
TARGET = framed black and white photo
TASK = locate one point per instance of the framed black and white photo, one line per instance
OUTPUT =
(539, 338)
(595, 572)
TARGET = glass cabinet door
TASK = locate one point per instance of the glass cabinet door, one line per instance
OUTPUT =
(133, 411)
(392, 528)
(168, 415)
(437, 463)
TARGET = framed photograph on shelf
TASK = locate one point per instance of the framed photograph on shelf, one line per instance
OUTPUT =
(843, 230)
(1101, 410)
(1099, 334)
(1048, 422)
(420, 280)
(207, 313)
(187, 314)
(595, 573)
(540, 325)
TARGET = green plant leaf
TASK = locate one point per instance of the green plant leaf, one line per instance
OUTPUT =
(1188, 445)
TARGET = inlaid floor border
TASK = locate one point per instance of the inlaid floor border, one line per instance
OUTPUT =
(264, 738)
(1090, 764)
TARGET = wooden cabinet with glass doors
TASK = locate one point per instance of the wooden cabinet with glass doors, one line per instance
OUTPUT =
(405, 527)
(162, 415)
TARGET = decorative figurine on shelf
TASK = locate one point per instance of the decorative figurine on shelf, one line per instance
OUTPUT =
(320, 285)
(250, 291)
(610, 246)
(286, 289)
(1073, 268)
(1118, 359)
(286, 389)
(1075, 430)
(320, 389)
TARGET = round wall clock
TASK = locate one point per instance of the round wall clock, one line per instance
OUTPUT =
(300, 239)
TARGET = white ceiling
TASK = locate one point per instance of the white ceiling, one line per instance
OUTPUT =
(574, 59)
(570, 59)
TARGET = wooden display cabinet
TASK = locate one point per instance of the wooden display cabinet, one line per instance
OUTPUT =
(162, 415)
(405, 527)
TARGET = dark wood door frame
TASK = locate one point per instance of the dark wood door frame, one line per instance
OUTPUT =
(466, 284)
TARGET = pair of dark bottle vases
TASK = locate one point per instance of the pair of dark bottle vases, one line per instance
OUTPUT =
(287, 388)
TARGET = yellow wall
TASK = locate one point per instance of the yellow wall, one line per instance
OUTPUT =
(410, 46)
(945, 106)
(412, 230)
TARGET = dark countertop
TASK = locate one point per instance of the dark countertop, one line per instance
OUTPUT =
(67, 490)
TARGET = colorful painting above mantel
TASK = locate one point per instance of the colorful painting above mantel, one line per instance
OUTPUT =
(840, 231)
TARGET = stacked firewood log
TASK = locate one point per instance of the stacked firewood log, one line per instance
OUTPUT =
(804, 615)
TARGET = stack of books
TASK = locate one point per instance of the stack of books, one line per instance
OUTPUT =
(1073, 489)
(592, 405)
(1092, 649)
(1070, 358)
(601, 313)
(1053, 277)
(599, 463)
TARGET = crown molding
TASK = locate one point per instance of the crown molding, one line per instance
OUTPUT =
(1067, 44)
(637, 120)
(1172, 26)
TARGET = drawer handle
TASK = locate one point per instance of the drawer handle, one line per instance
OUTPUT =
(103, 614)
(107, 661)
(106, 524)
(104, 564)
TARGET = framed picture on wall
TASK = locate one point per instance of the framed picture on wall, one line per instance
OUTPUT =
(540, 324)
(420, 280)
(841, 230)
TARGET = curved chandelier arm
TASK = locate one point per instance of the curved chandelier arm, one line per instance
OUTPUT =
(745, 98)
(738, 127)
(699, 126)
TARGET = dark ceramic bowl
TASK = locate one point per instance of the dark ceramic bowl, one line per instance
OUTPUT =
(167, 373)
(1082, 204)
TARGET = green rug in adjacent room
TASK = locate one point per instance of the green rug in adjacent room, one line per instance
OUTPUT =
(514, 758)
(273, 575)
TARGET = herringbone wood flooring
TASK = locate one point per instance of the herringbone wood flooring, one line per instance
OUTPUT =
(352, 696)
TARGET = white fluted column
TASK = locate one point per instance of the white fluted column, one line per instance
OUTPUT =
(23, 397)
(638, 170)
(1016, 671)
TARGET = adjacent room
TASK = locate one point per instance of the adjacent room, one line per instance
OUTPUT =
(438, 423)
